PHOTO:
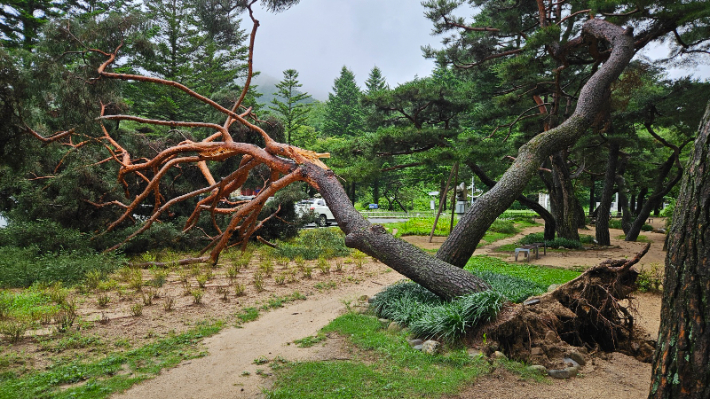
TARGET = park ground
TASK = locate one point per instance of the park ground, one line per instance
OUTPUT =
(263, 325)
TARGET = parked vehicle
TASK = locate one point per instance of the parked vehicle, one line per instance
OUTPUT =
(317, 206)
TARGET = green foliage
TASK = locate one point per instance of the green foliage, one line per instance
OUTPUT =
(294, 111)
(313, 244)
(45, 235)
(24, 267)
(248, 314)
(310, 341)
(344, 115)
(428, 316)
(556, 243)
(544, 276)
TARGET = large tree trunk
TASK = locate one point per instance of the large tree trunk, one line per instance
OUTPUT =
(623, 196)
(437, 276)
(563, 202)
(681, 360)
(462, 242)
(602, 225)
(656, 198)
(533, 205)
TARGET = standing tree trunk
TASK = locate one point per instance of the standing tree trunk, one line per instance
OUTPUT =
(592, 203)
(550, 224)
(680, 368)
(563, 202)
(623, 197)
(602, 226)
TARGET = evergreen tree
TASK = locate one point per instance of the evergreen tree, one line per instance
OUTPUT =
(375, 82)
(344, 115)
(293, 112)
(22, 20)
(187, 50)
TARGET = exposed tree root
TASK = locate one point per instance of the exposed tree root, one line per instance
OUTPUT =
(583, 313)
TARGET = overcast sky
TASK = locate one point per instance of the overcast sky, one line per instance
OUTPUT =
(318, 37)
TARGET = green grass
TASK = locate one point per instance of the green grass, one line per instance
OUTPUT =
(542, 275)
(640, 238)
(247, 315)
(397, 370)
(100, 378)
(313, 244)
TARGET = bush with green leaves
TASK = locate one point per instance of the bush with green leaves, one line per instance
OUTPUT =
(427, 315)
(556, 243)
(313, 244)
(22, 267)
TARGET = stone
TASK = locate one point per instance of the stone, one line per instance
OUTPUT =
(415, 342)
(418, 347)
(561, 374)
(537, 369)
(383, 320)
(553, 287)
(498, 355)
(370, 299)
(573, 371)
(577, 357)
(430, 347)
(394, 327)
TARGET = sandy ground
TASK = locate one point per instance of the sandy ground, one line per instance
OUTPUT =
(232, 352)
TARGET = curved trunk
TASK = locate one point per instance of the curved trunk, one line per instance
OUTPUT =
(437, 276)
(602, 225)
(680, 367)
(550, 224)
(656, 198)
(462, 242)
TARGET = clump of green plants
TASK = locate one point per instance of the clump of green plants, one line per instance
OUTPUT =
(232, 272)
(202, 280)
(259, 281)
(556, 243)
(168, 304)
(650, 279)
(323, 265)
(159, 277)
(280, 279)
(359, 259)
(103, 299)
(93, 278)
(136, 279)
(427, 315)
(197, 295)
(239, 289)
(137, 309)
(266, 266)
(14, 328)
(308, 272)
(339, 265)
(248, 314)
(299, 261)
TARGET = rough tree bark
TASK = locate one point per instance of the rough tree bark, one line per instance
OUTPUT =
(660, 189)
(602, 224)
(533, 205)
(680, 367)
(462, 242)
(565, 206)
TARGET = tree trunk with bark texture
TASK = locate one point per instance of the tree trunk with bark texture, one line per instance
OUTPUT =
(623, 197)
(437, 276)
(563, 202)
(602, 225)
(656, 198)
(462, 242)
(533, 205)
(681, 361)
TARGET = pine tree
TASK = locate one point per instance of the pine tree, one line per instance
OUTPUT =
(344, 114)
(294, 111)
(22, 20)
(375, 82)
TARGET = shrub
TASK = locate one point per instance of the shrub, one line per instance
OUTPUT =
(556, 243)
(22, 267)
(428, 316)
(503, 226)
(314, 243)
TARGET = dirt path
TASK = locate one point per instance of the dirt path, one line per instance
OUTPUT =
(232, 352)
